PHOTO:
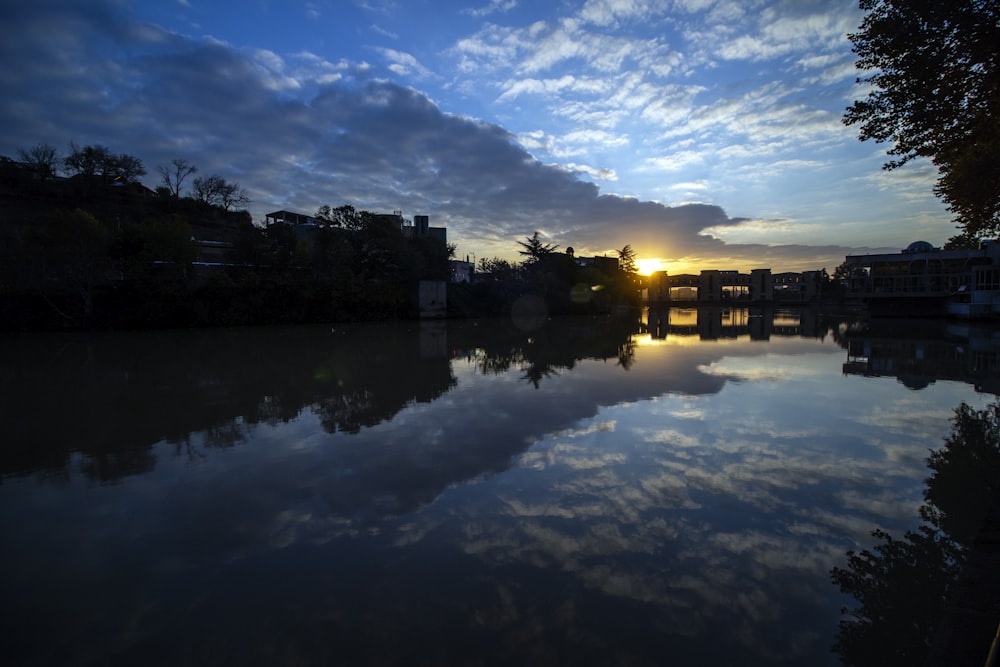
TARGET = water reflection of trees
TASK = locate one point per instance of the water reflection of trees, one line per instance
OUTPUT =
(111, 397)
(930, 597)
(559, 345)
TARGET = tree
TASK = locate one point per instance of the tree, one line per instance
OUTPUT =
(962, 241)
(98, 160)
(174, 176)
(964, 478)
(496, 268)
(846, 274)
(535, 249)
(124, 168)
(909, 590)
(87, 161)
(41, 159)
(935, 93)
(626, 260)
(343, 216)
(71, 252)
(216, 191)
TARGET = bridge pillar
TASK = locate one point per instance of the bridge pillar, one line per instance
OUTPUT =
(710, 286)
(761, 285)
(659, 288)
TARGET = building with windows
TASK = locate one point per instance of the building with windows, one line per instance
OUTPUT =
(960, 282)
(715, 286)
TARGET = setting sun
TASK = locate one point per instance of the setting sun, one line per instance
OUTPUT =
(647, 266)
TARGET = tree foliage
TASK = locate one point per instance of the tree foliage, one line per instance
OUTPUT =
(964, 478)
(626, 260)
(904, 587)
(99, 161)
(342, 216)
(88, 160)
(126, 168)
(216, 191)
(962, 241)
(533, 248)
(934, 73)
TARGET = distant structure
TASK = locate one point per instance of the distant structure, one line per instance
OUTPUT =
(961, 282)
(290, 218)
(715, 287)
(419, 227)
(603, 263)
(462, 271)
(304, 226)
(430, 297)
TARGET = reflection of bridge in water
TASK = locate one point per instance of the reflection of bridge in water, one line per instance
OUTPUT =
(715, 322)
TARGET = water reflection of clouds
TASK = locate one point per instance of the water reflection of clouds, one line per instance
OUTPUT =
(718, 509)
(676, 492)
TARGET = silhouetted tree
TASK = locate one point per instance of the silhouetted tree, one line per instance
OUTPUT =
(88, 160)
(174, 176)
(496, 268)
(626, 260)
(843, 274)
(216, 191)
(97, 160)
(42, 159)
(534, 248)
(962, 241)
(934, 76)
(343, 216)
(125, 169)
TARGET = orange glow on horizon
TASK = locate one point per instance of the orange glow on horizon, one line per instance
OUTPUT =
(693, 266)
(646, 267)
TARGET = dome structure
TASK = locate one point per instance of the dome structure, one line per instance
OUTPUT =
(919, 246)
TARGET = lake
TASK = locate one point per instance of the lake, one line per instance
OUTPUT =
(581, 491)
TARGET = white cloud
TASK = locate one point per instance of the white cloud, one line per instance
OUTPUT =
(494, 6)
(404, 64)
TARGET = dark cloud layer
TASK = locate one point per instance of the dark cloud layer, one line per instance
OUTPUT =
(298, 132)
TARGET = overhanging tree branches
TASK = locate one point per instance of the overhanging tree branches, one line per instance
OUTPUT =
(934, 72)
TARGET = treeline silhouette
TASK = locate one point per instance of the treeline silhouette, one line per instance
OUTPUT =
(98, 250)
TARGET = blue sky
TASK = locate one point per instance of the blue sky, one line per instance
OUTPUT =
(705, 133)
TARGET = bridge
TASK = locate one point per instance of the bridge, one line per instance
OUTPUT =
(760, 286)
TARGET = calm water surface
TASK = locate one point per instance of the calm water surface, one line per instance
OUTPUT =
(584, 492)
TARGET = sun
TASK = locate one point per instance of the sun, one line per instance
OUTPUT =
(647, 266)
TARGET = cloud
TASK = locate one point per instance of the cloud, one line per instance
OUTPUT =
(382, 31)
(404, 64)
(300, 131)
(494, 6)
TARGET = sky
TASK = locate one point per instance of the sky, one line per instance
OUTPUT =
(706, 134)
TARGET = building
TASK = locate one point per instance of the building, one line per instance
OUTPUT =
(419, 227)
(289, 218)
(960, 282)
(461, 271)
(715, 286)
